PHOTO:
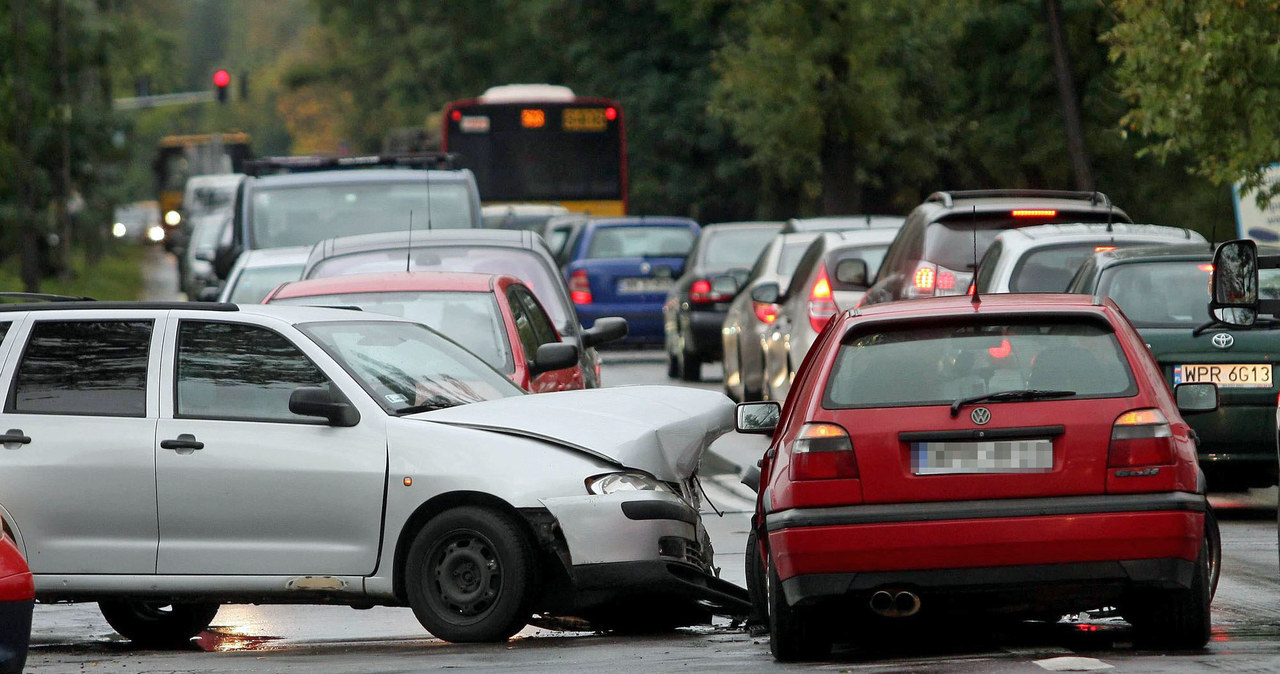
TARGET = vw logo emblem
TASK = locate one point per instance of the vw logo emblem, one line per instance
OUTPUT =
(645, 267)
(1223, 340)
(980, 416)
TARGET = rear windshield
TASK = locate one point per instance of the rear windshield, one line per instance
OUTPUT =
(613, 242)
(1171, 294)
(950, 243)
(1050, 270)
(735, 248)
(936, 364)
(304, 216)
(255, 282)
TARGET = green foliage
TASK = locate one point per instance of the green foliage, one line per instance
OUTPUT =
(1203, 77)
(115, 276)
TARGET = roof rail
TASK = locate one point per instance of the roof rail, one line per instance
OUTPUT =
(947, 198)
(42, 297)
(299, 164)
(72, 304)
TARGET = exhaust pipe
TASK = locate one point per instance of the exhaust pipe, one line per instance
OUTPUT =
(906, 603)
(895, 603)
(882, 602)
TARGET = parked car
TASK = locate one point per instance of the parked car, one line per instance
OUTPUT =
(204, 197)
(943, 238)
(529, 217)
(138, 222)
(198, 276)
(17, 597)
(745, 322)
(318, 198)
(312, 455)
(496, 317)
(521, 254)
(561, 233)
(257, 272)
(831, 277)
(839, 223)
(625, 267)
(1044, 258)
(694, 312)
(1164, 290)
(1019, 456)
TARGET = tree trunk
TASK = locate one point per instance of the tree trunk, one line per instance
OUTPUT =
(1080, 167)
(841, 194)
(24, 189)
(62, 179)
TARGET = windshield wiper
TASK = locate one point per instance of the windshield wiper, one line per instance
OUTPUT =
(1024, 394)
(435, 403)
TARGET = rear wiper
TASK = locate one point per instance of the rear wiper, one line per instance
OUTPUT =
(1024, 394)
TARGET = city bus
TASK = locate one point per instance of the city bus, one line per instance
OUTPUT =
(540, 143)
(180, 157)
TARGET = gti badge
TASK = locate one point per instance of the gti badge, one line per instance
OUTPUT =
(980, 416)
(1223, 340)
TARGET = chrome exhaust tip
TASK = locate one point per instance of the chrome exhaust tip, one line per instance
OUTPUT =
(906, 604)
(882, 602)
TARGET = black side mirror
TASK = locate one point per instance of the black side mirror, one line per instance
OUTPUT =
(553, 356)
(1235, 283)
(759, 418)
(1196, 398)
(604, 330)
(766, 293)
(224, 259)
(317, 401)
(852, 272)
(724, 286)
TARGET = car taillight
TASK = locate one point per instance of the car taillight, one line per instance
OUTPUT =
(924, 279)
(822, 452)
(580, 287)
(767, 313)
(702, 292)
(1140, 438)
(930, 278)
(821, 305)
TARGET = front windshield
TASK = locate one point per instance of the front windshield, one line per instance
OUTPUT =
(304, 216)
(408, 368)
(254, 283)
(521, 263)
(468, 318)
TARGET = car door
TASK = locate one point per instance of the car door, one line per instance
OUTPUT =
(77, 472)
(244, 485)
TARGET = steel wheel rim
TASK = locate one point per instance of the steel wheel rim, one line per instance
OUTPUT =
(152, 610)
(464, 577)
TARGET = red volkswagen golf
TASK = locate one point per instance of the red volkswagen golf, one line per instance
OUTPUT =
(1020, 455)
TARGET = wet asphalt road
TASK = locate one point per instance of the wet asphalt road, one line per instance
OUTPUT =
(1246, 635)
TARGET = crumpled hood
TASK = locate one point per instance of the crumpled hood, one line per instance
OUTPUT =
(662, 430)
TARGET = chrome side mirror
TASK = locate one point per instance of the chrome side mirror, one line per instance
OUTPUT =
(1234, 283)
(759, 418)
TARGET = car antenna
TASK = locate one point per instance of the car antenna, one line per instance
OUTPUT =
(1109, 230)
(976, 298)
(868, 220)
(408, 248)
(1213, 234)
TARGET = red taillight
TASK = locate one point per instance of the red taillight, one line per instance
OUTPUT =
(946, 280)
(1034, 213)
(1103, 249)
(822, 452)
(1140, 438)
(456, 115)
(702, 292)
(580, 287)
(925, 276)
(767, 313)
(821, 305)
(610, 114)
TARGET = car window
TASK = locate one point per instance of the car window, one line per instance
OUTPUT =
(936, 365)
(1050, 269)
(735, 248)
(304, 216)
(1166, 294)
(254, 283)
(789, 259)
(468, 318)
(871, 255)
(640, 241)
(542, 327)
(804, 269)
(1085, 277)
(987, 267)
(91, 368)
(235, 371)
(524, 326)
(524, 264)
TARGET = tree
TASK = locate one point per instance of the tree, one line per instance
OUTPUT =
(1203, 77)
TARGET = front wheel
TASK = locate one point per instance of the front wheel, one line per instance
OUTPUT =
(471, 575)
(156, 623)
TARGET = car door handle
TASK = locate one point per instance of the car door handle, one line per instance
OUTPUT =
(15, 436)
(184, 441)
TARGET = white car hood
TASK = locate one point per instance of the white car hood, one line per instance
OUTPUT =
(662, 430)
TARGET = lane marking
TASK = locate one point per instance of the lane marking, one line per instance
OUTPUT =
(1072, 664)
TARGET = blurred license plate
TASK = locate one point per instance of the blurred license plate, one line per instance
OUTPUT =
(645, 285)
(993, 456)
(1226, 375)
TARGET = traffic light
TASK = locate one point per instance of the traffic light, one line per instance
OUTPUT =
(221, 80)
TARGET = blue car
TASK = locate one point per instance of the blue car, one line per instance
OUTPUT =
(625, 266)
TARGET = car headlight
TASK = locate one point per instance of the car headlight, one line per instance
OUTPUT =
(609, 483)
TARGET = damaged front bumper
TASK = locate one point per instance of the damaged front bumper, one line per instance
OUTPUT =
(646, 545)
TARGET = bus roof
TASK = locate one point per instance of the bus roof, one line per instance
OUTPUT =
(511, 93)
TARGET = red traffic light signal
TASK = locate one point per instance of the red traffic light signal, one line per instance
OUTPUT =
(221, 79)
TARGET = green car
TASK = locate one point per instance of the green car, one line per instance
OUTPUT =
(1164, 291)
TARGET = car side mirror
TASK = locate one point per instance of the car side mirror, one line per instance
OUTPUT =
(604, 330)
(1234, 282)
(1196, 398)
(318, 401)
(724, 285)
(766, 293)
(759, 418)
(224, 259)
(208, 294)
(553, 356)
(852, 272)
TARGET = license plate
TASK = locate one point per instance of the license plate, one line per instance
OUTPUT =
(1225, 375)
(645, 285)
(989, 456)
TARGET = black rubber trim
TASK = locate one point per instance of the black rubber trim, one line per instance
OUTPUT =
(604, 584)
(14, 638)
(985, 509)
(982, 434)
(128, 306)
(659, 510)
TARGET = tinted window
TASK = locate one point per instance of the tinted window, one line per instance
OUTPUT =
(1168, 294)
(524, 327)
(542, 328)
(96, 368)
(936, 365)
(790, 258)
(230, 371)
(254, 283)
(1050, 270)
(949, 243)
(612, 242)
(735, 248)
(468, 318)
(304, 216)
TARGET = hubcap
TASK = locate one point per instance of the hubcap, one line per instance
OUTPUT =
(466, 574)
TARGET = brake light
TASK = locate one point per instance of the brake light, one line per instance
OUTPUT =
(701, 293)
(1103, 249)
(580, 287)
(1001, 351)
(821, 306)
(1140, 438)
(767, 313)
(822, 452)
(925, 276)
(1034, 213)
(946, 280)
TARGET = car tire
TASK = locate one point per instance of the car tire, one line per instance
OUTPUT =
(673, 366)
(690, 367)
(1175, 619)
(157, 624)
(794, 636)
(759, 615)
(470, 576)
(1213, 536)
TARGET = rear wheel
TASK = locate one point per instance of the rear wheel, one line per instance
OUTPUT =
(794, 635)
(1175, 619)
(673, 367)
(759, 616)
(156, 623)
(1213, 536)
